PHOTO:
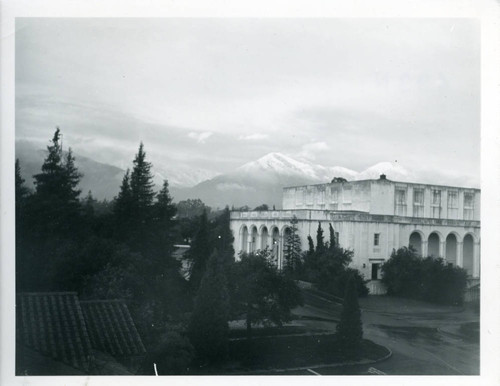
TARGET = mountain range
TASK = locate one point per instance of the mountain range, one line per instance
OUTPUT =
(254, 183)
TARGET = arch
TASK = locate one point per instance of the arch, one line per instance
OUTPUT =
(244, 238)
(264, 234)
(468, 253)
(433, 244)
(253, 239)
(416, 242)
(451, 249)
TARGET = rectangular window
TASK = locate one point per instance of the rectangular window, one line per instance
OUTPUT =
(321, 197)
(299, 197)
(436, 204)
(418, 202)
(310, 197)
(468, 206)
(347, 197)
(453, 205)
(400, 202)
(376, 239)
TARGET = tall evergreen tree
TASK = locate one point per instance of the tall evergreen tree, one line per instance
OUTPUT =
(122, 209)
(208, 327)
(310, 245)
(350, 329)
(293, 248)
(199, 252)
(141, 185)
(320, 243)
(56, 202)
(333, 242)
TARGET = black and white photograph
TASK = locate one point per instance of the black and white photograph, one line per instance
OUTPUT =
(247, 196)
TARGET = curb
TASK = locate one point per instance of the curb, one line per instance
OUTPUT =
(349, 363)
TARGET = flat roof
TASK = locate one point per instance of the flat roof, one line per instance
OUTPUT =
(385, 180)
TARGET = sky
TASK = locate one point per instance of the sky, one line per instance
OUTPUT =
(213, 94)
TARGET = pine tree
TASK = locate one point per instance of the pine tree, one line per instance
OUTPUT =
(320, 244)
(350, 329)
(141, 185)
(122, 209)
(208, 327)
(22, 193)
(56, 202)
(333, 242)
(199, 252)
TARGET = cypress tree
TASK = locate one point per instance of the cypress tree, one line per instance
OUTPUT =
(332, 237)
(350, 329)
(320, 244)
(293, 248)
(208, 327)
(310, 245)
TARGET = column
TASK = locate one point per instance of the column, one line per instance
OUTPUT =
(425, 250)
(460, 254)
(476, 266)
(442, 249)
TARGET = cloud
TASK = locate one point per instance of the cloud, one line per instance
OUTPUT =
(200, 137)
(253, 137)
(310, 150)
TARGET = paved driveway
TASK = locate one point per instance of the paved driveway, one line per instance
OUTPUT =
(425, 339)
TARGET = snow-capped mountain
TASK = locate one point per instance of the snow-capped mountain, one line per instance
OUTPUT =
(278, 163)
(262, 181)
(181, 176)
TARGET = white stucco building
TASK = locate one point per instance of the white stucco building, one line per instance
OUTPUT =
(372, 217)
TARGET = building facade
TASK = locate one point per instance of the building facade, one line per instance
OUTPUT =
(372, 217)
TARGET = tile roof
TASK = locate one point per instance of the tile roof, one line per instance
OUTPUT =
(59, 326)
(52, 323)
(111, 328)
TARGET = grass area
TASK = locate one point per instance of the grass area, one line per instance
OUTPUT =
(262, 353)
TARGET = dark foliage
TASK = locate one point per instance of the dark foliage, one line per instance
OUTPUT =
(199, 252)
(262, 207)
(172, 354)
(350, 329)
(320, 243)
(208, 327)
(328, 267)
(293, 250)
(338, 179)
(406, 274)
(261, 292)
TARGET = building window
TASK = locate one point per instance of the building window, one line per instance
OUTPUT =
(310, 197)
(453, 205)
(376, 239)
(299, 197)
(400, 202)
(468, 206)
(346, 198)
(436, 204)
(321, 197)
(334, 199)
(418, 203)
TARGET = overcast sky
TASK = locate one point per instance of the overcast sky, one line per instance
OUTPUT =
(216, 93)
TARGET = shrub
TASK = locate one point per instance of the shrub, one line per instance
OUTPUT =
(350, 329)
(429, 279)
(172, 354)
